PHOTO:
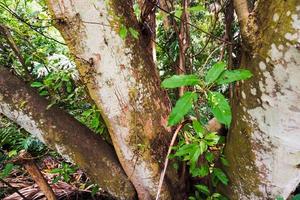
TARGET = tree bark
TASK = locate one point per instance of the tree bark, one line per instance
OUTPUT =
(263, 144)
(60, 131)
(122, 79)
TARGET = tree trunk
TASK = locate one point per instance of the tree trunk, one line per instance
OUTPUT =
(60, 131)
(122, 80)
(263, 144)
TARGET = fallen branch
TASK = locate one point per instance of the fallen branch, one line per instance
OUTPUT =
(26, 160)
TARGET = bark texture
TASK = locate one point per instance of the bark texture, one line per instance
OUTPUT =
(122, 80)
(62, 132)
(263, 144)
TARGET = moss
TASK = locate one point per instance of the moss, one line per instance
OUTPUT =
(263, 31)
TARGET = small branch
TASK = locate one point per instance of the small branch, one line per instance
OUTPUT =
(161, 180)
(192, 25)
(242, 11)
(5, 31)
(28, 24)
(26, 160)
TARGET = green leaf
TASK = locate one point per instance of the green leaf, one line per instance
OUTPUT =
(134, 33)
(185, 149)
(36, 84)
(212, 139)
(195, 155)
(220, 107)
(203, 189)
(215, 72)
(182, 107)
(201, 172)
(180, 80)
(234, 75)
(7, 169)
(197, 8)
(224, 161)
(297, 197)
(220, 175)
(56, 179)
(209, 157)
(199, 129)
(202, 146)
(123, 32)
(43, 93)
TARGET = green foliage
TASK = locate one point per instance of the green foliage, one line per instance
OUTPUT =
(6, 170)
(234, 75)
(220, 107)
(123, 32)
(63, 173)
(214, 73)
(180, 80)
(182, 107)
(198, 143)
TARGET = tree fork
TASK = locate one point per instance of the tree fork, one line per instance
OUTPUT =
(123, 81)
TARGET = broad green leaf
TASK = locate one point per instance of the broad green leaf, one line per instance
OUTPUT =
(185, 149)
(36, 84)
(203, 189)
(123, 32)
(214, 73)
(182, 107)
(212, 139)
(209, 157)
(43, 93)
(195, 155)
(134, 33)
(220, 175)
(199, 129)
(201, 171)
(279, 198)
(220, 107)
(12, 153)
(234, 75)
(180, 80)
(202, 146)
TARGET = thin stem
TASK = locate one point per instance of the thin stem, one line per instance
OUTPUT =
(161, 180)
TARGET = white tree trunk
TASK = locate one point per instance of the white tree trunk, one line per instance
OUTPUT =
(122, 80)
(263, 144)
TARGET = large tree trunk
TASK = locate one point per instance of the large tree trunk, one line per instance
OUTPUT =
(62, 132)
(122, 80)
(263, 144)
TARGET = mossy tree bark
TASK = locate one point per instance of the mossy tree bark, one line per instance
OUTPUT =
(60, 131)
(263, 144)
(121, 78)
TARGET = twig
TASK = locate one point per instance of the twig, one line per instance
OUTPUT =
(162, 176)
(28, 24)
(192, 25)
(5, 31)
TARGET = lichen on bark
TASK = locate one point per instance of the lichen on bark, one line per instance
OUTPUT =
(261, 144)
